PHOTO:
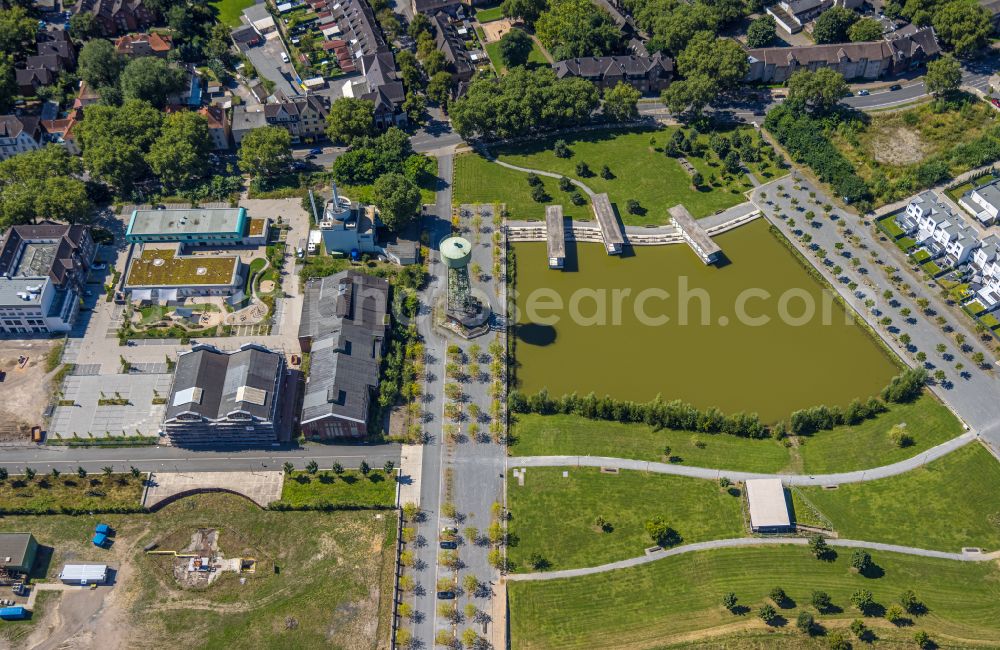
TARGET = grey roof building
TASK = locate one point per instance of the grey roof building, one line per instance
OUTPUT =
(225, 398)
(452, 45)
(17, 553)
(647, 74)
(344, 327)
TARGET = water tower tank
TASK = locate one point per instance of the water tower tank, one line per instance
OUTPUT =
(456, 252)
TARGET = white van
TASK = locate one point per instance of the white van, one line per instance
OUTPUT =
(284, 57)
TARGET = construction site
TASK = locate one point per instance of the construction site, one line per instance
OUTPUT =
(201, 562)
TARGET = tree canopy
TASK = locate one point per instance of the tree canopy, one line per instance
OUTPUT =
(620, 102)
(99, 64)
(963, 26)
(397, 199)
(944, 75)
(526, 10)
(761, 32)
(368, 158)
(115, 140)
(515, 47)
(42, 183)
(17, 32)
(179, 156)
(8, 83)
(576, 28)
(151, 79)
(832, 25)
(711, 67)
(866, 29)
(350, 118)
(265, 151)
(816, 92)
(522, 101)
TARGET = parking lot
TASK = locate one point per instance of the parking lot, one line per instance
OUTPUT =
(87, 418)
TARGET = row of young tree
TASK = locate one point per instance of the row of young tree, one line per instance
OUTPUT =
(679, 415)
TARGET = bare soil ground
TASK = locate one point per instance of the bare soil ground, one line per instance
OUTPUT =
(27, 388)
(495, 30)
(898, 146)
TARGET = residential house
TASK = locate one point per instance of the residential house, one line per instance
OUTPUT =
(304, 117)
(18, 134)
(246, 36)
(246, 120)
(865, 61)
(344, 328)
(260, 18)
(453, 7)
(220, 399)
(940, 231)
(143, 44)
(793, 15)
(452, 45)
(117, 16)
(218, 126)
(43, 269)
(60, 130)
(986, 262)
(55, 54)
(647, 74)
(983, 202)
(385, 89)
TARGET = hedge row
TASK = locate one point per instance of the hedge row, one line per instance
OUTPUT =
(678, 415)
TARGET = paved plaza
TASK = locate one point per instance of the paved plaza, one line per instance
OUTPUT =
(86, 417)
(260, 487)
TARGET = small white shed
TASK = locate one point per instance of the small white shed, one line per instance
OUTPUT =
(768, 509)
(84, 574)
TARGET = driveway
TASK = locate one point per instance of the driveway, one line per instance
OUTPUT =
(266, 59)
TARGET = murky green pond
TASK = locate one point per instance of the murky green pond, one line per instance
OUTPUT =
(757, 334)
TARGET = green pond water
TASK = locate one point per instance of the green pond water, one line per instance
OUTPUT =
(724, 355)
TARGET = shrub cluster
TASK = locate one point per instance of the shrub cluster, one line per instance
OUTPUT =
(803, 136)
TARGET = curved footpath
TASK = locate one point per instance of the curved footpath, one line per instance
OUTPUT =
(748, 541)
(714, 474)
(538, 172)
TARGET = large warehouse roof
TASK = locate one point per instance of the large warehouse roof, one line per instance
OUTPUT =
(767, 504)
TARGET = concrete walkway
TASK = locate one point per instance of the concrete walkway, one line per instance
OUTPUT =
(537, 172)
(260, 487)
(714, 474)
(747, 542)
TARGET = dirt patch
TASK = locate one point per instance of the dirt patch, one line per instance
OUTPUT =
(898, 146)
(196, 566)
(496, 29)
(26, 386)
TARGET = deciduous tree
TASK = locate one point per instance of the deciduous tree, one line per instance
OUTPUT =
(944, 75)
(350, 118)
(621, 102)
(265, 151)
(515, 47)
(398, 200)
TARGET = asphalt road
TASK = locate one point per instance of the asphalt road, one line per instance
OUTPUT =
(166, 459)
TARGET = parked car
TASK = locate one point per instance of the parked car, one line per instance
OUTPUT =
(316, 151)
(995, 101)
(99, 266)
(449, 544)
(446, 595)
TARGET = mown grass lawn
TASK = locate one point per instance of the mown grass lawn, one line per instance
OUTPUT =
(867, 444)
(535, 58)
(48, 494)
(322, 579)
(654, 604)
(571, 435)
(231, 10)
(945, 505)
(841, 449)
(641, 171)
(477, 180)
(487, 14)
(555, 516)
(350, 488)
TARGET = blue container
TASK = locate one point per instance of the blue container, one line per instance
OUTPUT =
(13, 613)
